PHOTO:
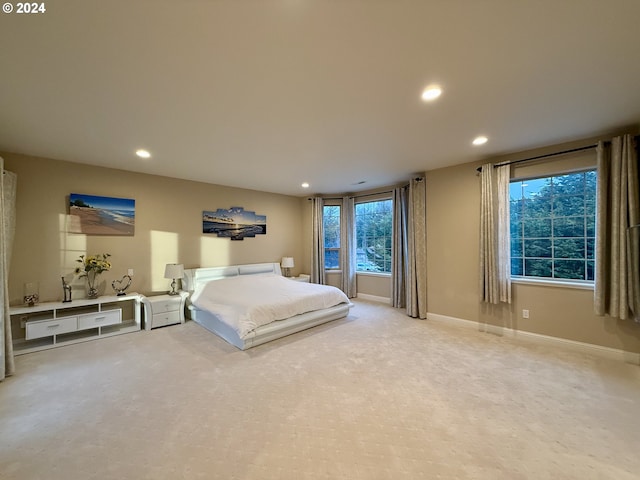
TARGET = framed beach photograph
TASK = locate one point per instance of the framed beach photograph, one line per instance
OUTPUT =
(93, 215)
(235, 223)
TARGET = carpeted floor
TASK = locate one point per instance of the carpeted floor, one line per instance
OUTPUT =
(377, 395)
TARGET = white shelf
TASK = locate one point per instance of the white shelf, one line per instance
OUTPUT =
(54, 324)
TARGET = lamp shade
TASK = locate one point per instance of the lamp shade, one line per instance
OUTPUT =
(287, 262)
(174, 270)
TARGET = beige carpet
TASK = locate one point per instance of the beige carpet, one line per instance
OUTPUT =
(375, 396)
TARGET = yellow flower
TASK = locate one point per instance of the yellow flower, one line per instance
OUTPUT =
(93, 263)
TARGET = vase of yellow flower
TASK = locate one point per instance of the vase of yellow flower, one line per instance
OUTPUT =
(92, 266)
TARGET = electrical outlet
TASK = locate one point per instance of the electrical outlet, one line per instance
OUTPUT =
(525, 313)
(130, 272)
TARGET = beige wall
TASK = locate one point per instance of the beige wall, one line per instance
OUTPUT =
(168, 226)
(168, 229)
(453, 217)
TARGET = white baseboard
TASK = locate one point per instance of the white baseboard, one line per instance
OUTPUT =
(605, 352)
(374, 298)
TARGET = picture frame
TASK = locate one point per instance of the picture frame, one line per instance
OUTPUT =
(96, 215)
(234, 223)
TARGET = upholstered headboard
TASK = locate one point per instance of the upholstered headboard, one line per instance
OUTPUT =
(195, 277)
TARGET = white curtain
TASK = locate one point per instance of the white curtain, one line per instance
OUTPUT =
(495, 267)
(317, 249)
(409, 270)
(617, 292)
(7, 228)
(348, 247)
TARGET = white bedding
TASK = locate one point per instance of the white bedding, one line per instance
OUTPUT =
(248, 302)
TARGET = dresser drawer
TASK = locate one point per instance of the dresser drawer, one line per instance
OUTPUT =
(48, 328)
(166, 318)
(171, 305)
(99, 319)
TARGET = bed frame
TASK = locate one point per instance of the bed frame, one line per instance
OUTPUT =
(266, 333)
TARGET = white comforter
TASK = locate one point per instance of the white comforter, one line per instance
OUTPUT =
(247, 302)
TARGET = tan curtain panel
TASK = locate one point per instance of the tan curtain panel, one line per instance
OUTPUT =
(8, 185)
(317, 249)
(416, 287)
(617, 289)
(348, 250)
(400, 247)
(495, 267)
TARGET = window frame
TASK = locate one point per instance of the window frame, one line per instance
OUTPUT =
(556, 281)
(324, 239)
(373, 199)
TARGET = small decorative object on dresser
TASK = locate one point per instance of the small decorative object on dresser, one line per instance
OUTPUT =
(92, 266)
(31, 295)
(66, 290)
(162, 310)
(121, 285)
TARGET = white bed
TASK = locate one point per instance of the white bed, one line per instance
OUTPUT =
(197, 280)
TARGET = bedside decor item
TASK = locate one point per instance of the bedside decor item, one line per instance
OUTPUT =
(173, 271)
(92, 266)
(31, 295)
(121, 285)
(66, 290)
(287, 264)
(93, 215)
(235, 223)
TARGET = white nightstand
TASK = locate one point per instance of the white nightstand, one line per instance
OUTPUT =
(162, 310)
(301, 278)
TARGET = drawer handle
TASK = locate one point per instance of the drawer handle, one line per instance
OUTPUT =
(55, 325)
(97, 319)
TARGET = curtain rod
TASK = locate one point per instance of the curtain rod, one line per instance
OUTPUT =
(563, 152)
(357, 196)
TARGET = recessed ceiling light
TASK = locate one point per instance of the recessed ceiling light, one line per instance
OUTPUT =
(481, 140)
(305, 185)
(431, 93)
(143, 153)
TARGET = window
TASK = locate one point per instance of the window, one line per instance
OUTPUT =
(331, 223)
(373, 236)
(553, 226)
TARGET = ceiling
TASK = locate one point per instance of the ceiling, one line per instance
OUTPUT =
(267, 94)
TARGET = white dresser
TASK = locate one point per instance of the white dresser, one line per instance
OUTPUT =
(53, 324)
(163, 310)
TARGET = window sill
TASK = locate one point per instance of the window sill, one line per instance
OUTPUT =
(366, 274)
(374, 274)
(543, 282)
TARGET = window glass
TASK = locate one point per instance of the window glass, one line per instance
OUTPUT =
(553, 226)
(374, 236)
(331, 223)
